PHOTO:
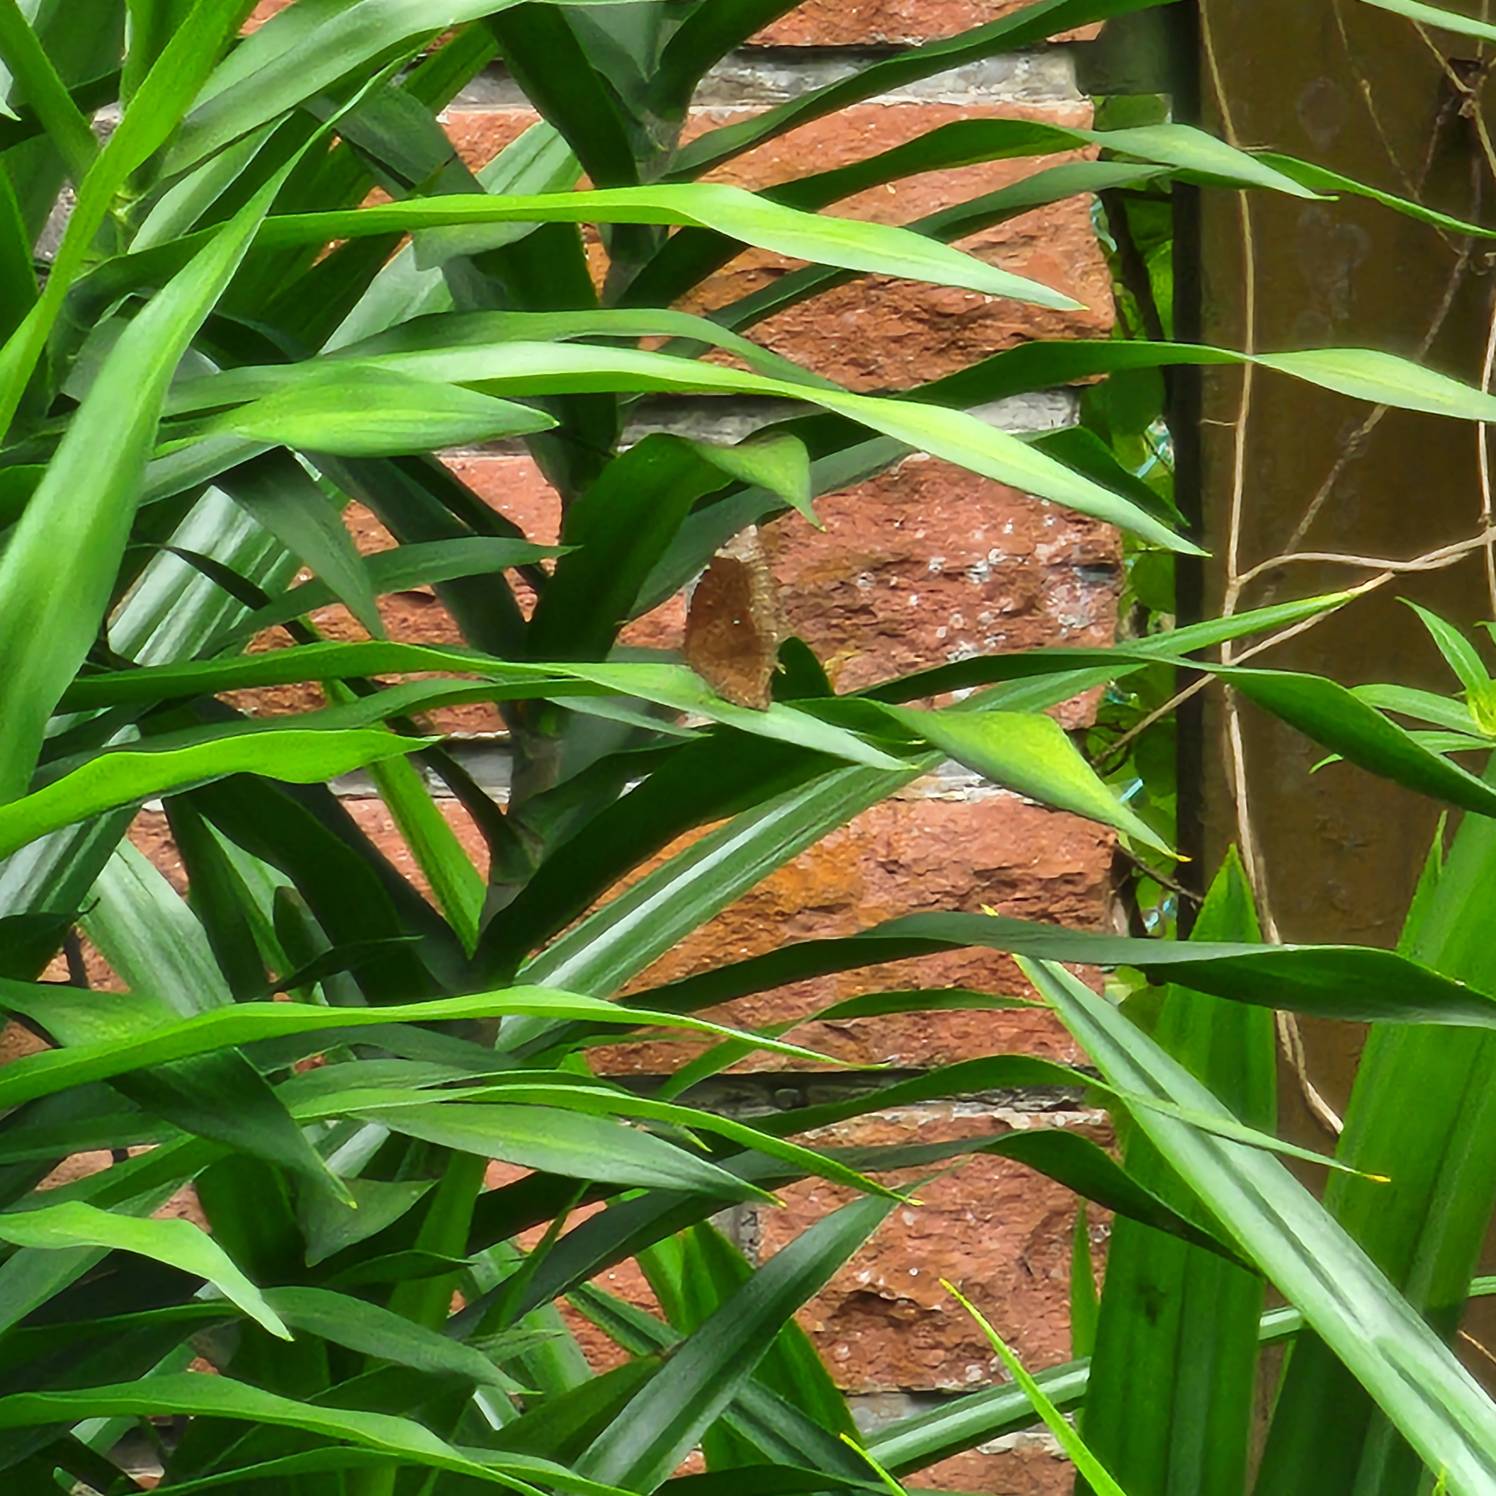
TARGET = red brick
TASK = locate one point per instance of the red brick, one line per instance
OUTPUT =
(929, 563)
(375, 821)
(879, 333)
(1024, 1465)
(908, 854)
(998, 1231)
(17, 1041)
(852, 23)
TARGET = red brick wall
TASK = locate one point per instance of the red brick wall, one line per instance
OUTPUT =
(923, 565)
(920, 566)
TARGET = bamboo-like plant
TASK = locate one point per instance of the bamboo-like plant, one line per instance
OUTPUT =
(231, 342)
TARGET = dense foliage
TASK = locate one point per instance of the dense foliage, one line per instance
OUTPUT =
(234, 338)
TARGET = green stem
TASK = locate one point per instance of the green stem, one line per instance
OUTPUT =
(427, 1301)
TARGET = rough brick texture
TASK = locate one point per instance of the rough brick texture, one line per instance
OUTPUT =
(998, 1232)
(934, 847)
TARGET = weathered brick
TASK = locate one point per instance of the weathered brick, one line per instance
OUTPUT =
(929, 563)
(1024, 1465)
(907, 854)
(861, 23)
(998, 1231)
(879, 333)
(374, 820)
(17, 1041)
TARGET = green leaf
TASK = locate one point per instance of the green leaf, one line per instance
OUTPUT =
(1085, 1301)
(278, 493)
(329, 1227)
(1420, 1094)
(43, 1074)
(1432, 15)
(179, 1244)
(1172, 1393)
(151, 938)
(366, 412)
(127, 776)
(620, 528)
(17, 296)
(133, 393)
(644, 1446)
(400, 569)
(565, 83)
(401, 1439)
(1459, 653)
(38, 82)
(1413, 1377)
(1328, 981)
(303, 50)
(454, 330)
(1031, 754)
(1322, 180)
(1343, 722)
(438, 851)
(671, 686)
(705, 36)
(688, 258)
(1359, 373)
(58, 571)
(573, 1144)
(376, 1332)
(1422, 706)
(692, 1276)
(518, 1089)
(1384, 379)
(1087, 1466)
(1027, 27)
(869, 248)
(541, 368)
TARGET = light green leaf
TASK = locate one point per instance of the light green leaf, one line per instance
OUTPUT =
(1432, 15)
(1086, 1463)
(127, 776)
(1031, 754)
(368, 412)
(59, 568)
(123, 1051)
(177, 1243)
(558, 368)
(402, 1439)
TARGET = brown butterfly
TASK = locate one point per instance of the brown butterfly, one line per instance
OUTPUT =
(734, 625)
